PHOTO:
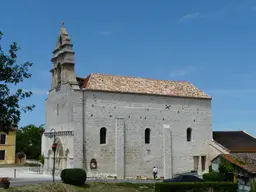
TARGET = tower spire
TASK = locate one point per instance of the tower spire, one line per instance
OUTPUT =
(63, 60)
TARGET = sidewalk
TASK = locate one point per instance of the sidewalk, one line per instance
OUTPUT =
(23, 173)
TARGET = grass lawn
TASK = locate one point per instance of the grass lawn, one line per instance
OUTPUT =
(91, 187)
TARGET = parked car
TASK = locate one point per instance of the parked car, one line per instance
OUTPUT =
(184, 178)
(195, 173)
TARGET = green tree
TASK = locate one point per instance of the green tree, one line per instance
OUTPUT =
(12, 73)
(28, 140)
(41, 159)
(227, 169)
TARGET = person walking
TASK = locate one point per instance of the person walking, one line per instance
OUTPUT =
(155, 172)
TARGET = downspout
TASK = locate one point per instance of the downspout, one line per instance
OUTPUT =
(83, 131)
(171, 152)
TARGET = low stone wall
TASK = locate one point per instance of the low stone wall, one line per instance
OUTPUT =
(32, 161)
(36, 169)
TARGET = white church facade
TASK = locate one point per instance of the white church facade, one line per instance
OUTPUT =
(124, 126)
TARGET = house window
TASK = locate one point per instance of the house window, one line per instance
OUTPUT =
(196, 162)
(203, 162)
(147, 136)
(103, 135)
(189, 133)
(2, 155)
(3, 139)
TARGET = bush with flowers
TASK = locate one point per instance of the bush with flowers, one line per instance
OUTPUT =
(5, 182)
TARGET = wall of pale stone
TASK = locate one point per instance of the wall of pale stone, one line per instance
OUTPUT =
(215, 150)
(59, 115)
(138, 113)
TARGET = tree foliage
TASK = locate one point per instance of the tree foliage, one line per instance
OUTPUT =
(12, 73)
(41, 159)
(28, 140)
(226, 167)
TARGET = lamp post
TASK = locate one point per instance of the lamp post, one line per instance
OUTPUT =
(54, 146)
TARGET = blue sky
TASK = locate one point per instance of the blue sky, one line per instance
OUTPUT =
(211, 43)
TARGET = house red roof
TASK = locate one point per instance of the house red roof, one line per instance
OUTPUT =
(236, 141)
(249, 167)
(123, 84)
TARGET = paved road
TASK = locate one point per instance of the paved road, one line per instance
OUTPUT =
(26, 177)
(21, 182)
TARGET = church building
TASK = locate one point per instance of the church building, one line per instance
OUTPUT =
(124, 126)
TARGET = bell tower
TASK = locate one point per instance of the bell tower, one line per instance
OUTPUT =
(63, 71)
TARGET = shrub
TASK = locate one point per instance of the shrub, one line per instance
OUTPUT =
(32, 164)
(214, 176)
(41, 159)
(73, 176)
(196, 187)
(253, 186)
(210, 169)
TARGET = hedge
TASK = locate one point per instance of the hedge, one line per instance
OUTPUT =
(74, 176)
(214, 176)
(196, 187)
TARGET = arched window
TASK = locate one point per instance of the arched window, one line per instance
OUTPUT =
(189, 134)
(103, 135)
(147, 136)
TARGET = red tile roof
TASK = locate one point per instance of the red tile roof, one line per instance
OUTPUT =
(248, 167)
(123, 84)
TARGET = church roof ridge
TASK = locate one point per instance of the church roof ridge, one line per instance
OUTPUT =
(128, 84)
(130, 76)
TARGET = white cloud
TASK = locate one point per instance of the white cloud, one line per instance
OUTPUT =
(190, 16)
(182, 72)
(39, 91)
(179, 73)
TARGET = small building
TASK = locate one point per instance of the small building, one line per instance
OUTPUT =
(7, 147)
(242, 147)
(236, 141)
(244, 167)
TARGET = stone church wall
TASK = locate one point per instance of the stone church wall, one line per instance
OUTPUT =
(126, 116)
(59, 116)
